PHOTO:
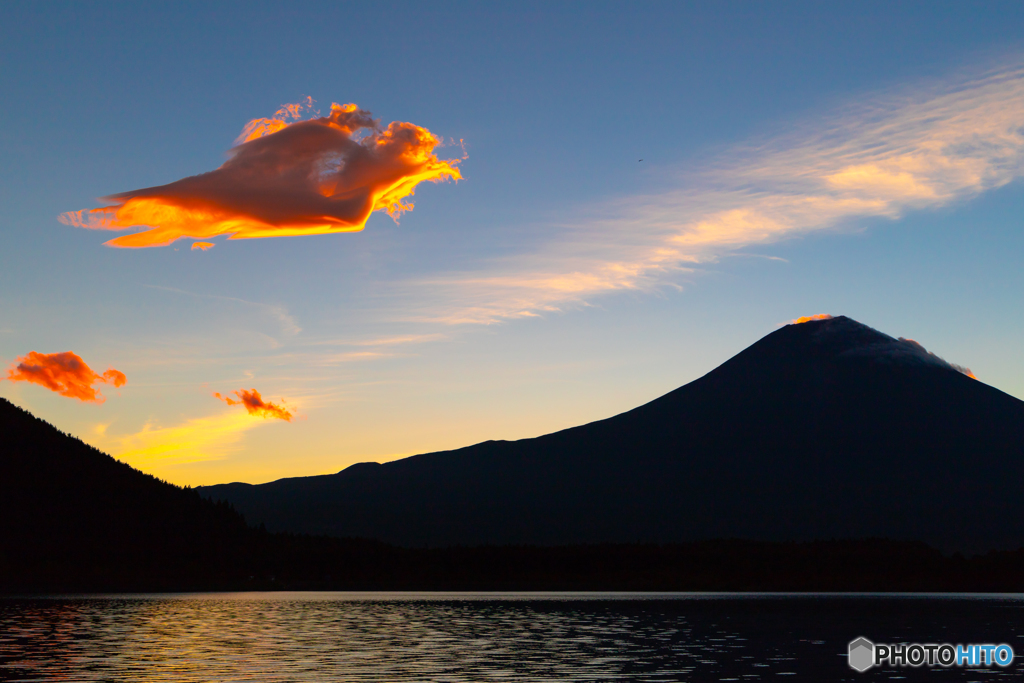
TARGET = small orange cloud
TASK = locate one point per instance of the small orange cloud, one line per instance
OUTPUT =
(809, 318)
(65, 373)
(203, 245)
(285, 177)
(253, 402)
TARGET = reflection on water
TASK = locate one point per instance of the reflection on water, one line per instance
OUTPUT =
(264, 637)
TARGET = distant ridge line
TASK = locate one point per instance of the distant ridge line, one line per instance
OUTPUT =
(782, 442)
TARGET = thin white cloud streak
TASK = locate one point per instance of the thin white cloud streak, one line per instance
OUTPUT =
(348, 357)
(763, 256)
(376, 348)
(393, 340)
(288, 324)
(919, 148)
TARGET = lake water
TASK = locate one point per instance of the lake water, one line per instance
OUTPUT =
(393, 637)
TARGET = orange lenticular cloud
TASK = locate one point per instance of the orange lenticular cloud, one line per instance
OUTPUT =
(65, 373)
(285, 177)
(253, 402)
(809, 318)
(257, 128)
(203, 245)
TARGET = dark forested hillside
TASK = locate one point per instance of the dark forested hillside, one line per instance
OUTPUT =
(75, 519)
(73, 515)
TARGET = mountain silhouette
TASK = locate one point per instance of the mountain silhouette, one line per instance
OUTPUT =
(824, 429)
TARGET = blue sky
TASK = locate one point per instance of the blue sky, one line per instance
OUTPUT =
(798, 158)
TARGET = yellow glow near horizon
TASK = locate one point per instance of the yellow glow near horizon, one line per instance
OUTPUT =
(196, 440)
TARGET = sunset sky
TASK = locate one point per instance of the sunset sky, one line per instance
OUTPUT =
(626, 196)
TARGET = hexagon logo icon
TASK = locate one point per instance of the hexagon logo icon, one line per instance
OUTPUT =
(861, 654)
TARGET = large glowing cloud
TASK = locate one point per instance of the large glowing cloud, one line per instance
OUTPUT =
(254, 403)
(300, 177)
(65, 373)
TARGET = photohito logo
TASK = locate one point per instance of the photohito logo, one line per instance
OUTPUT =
(863, 654)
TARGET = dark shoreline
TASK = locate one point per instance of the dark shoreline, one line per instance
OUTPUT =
(289, 562)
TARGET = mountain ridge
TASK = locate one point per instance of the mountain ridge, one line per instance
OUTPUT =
(755, 449)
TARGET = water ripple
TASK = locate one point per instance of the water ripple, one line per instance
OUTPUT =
(278, 637)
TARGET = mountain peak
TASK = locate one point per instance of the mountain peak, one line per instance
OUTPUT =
(844, 338)
(838, 333)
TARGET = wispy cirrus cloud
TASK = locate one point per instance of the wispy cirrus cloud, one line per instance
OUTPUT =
(396, 340)
(917, 148)
(353, 350)
(288, 324)
(383, 340)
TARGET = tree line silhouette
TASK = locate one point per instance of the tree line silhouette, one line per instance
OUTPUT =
(73, 519)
